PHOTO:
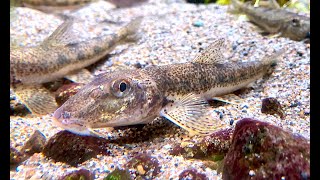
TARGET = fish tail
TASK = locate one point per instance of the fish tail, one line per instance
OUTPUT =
(129, 32)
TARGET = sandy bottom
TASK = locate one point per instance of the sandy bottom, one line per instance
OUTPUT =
(168, 35)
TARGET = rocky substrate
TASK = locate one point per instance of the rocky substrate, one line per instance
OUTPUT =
(266, 136)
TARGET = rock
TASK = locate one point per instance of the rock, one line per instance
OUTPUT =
(264, 151)
(118, 174)
(16, 107)
(211, 147)
(74, 149)
(272, 106)
(35, 143)
(81, 174)
(192, 174)
(146, 166)
(16, 157)
(66, 91)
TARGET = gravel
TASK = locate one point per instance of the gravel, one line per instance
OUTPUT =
(168, 35)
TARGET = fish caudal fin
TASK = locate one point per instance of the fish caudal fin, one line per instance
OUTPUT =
(192, 113)
(36, 98)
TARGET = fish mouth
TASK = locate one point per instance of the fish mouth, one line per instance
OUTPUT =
(64, 120)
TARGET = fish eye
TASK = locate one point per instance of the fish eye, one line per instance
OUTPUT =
(120, 87)
(295, 22)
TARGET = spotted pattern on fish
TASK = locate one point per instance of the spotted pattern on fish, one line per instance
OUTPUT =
(178, 92)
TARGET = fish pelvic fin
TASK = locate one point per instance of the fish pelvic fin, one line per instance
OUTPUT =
(36, 98)
(213, 53)
(192, 112)
(229, 98)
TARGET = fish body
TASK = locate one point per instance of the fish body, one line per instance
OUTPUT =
(276, 20)
(59, 56)
(178, 92)
(55, 5)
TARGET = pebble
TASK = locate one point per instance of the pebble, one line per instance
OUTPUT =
(198, 24)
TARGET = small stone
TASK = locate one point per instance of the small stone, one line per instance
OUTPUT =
(198, 24)
(192, 174)
(266, 150)
(272, 106)
(16, 157)
(74, 149)
(141, 170)
(35, 144)
(81, 174)
(118, 174)
(147, 166)
(212, 147)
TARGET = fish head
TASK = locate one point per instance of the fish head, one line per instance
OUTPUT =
(298, 28)
(117, 99)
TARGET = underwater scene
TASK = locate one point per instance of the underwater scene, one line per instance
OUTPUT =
(159, 89)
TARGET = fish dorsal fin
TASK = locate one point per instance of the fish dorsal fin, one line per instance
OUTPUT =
(192, 113)
(213, 53)
(61, 36)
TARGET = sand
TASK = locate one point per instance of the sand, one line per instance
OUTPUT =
(168, 35)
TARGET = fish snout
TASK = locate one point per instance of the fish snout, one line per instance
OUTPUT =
(60, 118)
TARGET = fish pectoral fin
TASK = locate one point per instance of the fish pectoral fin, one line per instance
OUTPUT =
(96, 134)
(36, 98)
(80, 76)
(229, 98)
(61, 36)
(213, 53)
(192, 113)
(275, 35)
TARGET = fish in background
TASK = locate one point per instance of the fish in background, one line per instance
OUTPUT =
(56, 57)
(276, 20)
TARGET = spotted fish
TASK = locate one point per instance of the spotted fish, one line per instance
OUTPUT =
(276, 20)
(56, 57)
(178, 92)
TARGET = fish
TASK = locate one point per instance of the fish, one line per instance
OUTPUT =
(276, 21)
(178, 92)
(58, 56)
(55, 5)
